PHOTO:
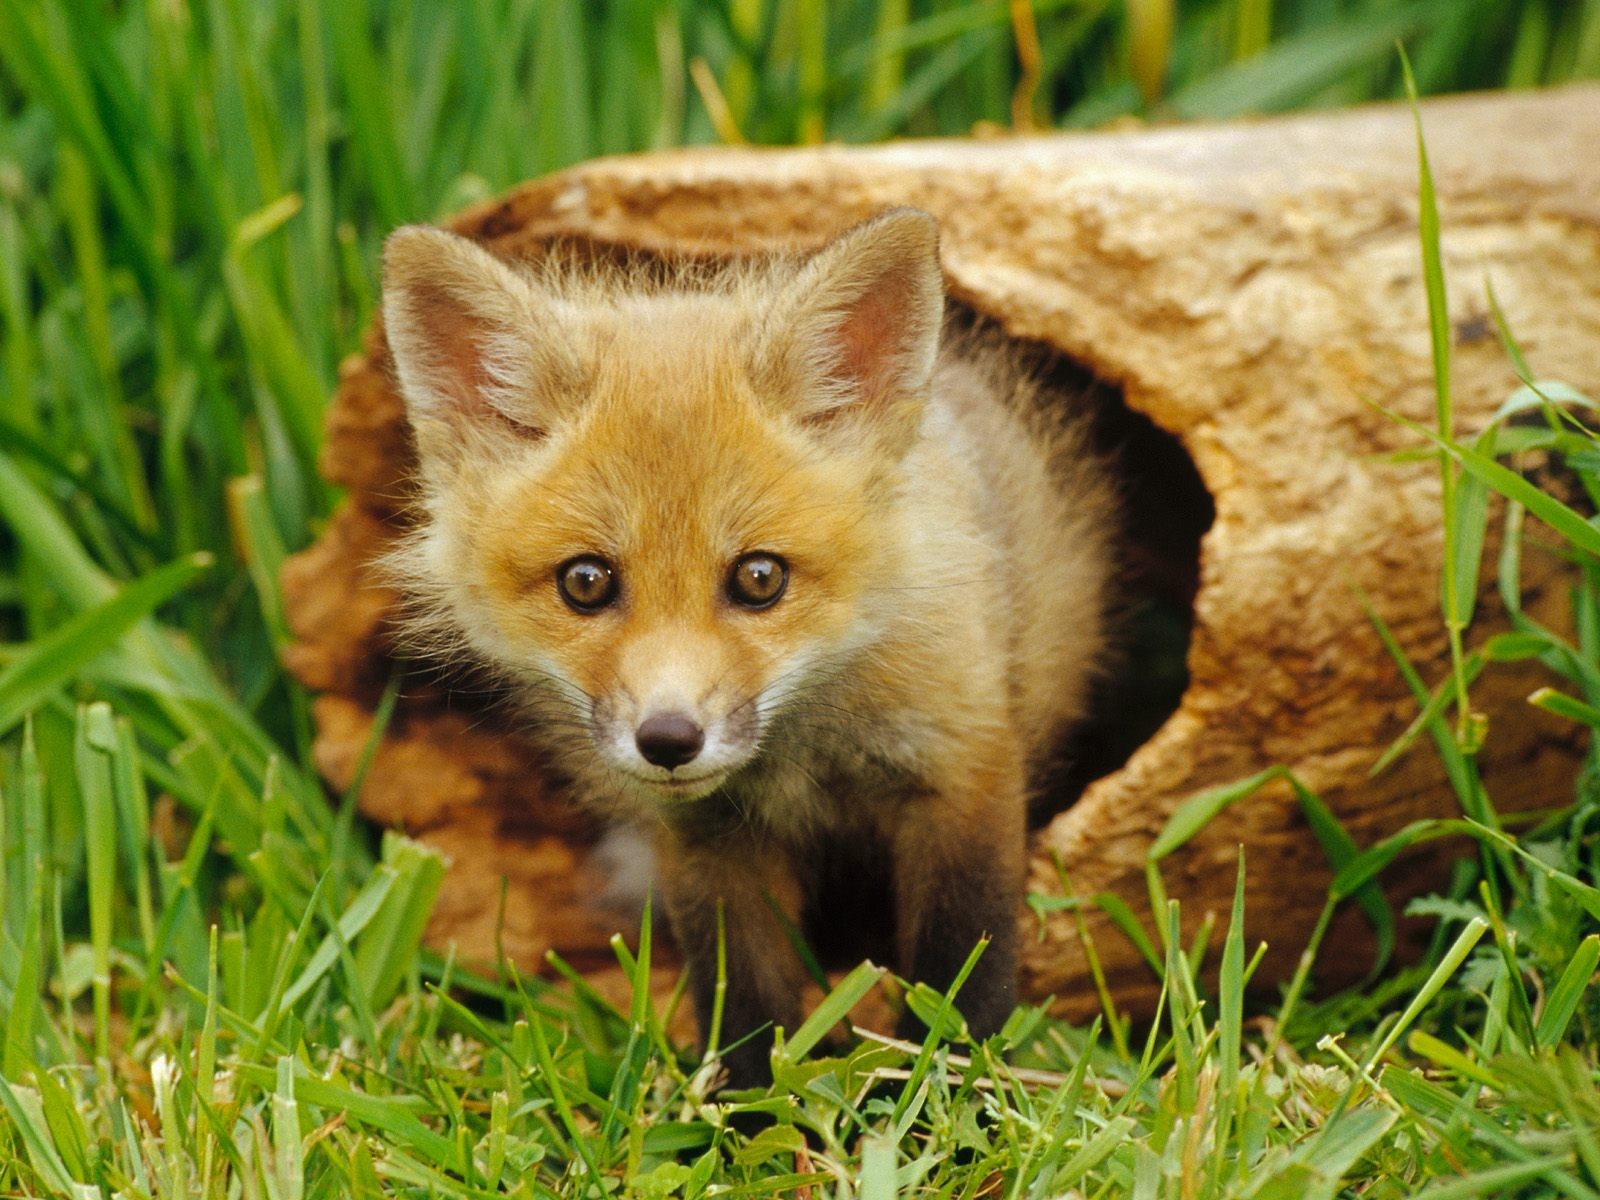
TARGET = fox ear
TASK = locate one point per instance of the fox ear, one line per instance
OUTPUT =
(476, 345)
(857, 327)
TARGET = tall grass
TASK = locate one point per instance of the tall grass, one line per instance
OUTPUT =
(209, 987)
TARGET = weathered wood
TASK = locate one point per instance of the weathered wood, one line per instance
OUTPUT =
(1254, 289)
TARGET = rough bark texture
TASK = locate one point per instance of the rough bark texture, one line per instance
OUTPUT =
(1249, 288)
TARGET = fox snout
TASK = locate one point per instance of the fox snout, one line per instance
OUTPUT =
(669, 739)
(677, 714)
(675, 748)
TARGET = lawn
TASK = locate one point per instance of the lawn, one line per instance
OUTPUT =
(211, 982)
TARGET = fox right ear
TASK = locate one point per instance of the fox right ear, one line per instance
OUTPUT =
(854, 334)
(475, 344)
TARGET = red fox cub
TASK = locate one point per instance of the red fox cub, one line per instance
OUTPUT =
(776, 571)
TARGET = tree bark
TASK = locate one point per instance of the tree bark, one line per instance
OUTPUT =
(1254, 289)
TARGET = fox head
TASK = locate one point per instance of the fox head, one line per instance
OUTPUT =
(665, 510)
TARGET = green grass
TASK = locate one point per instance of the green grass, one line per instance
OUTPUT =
(210, 981)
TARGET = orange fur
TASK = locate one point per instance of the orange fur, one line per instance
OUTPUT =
(945, 534)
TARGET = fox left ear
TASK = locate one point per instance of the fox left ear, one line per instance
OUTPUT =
(481, 354)
(857, 327)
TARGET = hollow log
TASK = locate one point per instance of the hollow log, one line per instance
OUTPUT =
(1251, 296)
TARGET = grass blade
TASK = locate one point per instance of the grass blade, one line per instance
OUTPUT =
(1562, 1003)
(54, 659)
(833, 1009)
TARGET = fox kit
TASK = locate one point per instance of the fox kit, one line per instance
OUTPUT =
(774, 574)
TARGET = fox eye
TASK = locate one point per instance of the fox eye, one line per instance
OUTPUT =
(757, 580)
(587, 584)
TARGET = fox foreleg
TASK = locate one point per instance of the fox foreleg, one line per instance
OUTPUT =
(763, 975)
(959, 876)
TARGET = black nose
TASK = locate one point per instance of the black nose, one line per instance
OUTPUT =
(669, 740)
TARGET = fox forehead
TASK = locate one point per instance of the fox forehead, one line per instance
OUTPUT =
(672, 470)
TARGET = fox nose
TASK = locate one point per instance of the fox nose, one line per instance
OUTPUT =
(669, 739)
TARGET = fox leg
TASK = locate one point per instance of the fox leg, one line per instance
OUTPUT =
(959, 864)
(764, 975)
